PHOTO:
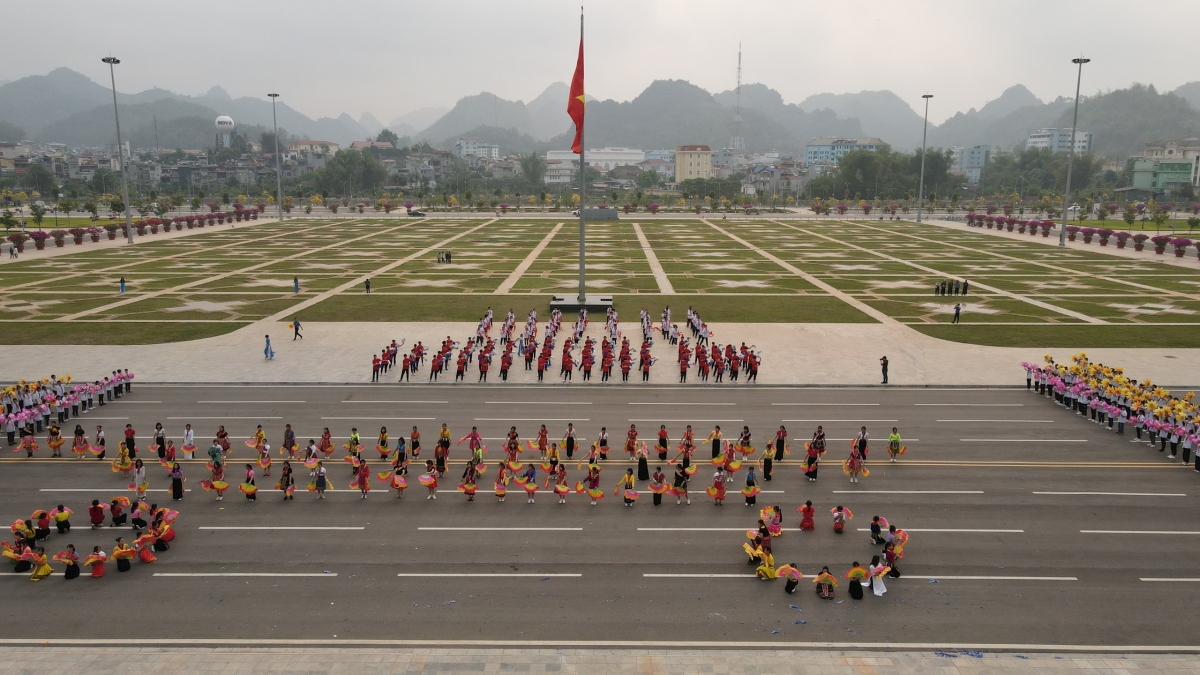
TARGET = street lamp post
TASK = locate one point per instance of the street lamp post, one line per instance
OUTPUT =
(112, 61)
(1062, 233)
(278, 173)
(924, 134)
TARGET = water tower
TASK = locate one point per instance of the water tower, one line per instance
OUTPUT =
(225, 128)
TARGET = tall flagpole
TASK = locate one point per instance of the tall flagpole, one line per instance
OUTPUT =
(582, 188)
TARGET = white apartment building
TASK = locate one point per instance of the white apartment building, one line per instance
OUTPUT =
(472, 146)
(1059, 140)
(560, 172)
(604, 159)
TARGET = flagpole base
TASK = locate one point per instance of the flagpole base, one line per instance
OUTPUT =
(573, 303)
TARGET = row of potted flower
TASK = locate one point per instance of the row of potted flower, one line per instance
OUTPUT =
(1160, 242)
(1001, 222)
(152, 225)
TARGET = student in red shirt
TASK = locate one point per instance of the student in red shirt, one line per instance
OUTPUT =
(375, 369)
(405, 365)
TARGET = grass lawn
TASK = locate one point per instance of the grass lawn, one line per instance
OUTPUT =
(363, 307)
(1086, 336)
(109, 333)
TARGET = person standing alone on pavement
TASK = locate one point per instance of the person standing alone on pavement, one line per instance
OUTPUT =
(957, 312)
(122, 284)
(296, 284)
(367, 285)
(883, 364)
(267, 351)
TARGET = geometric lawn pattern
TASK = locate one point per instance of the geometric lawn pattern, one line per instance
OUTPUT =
(246, 273)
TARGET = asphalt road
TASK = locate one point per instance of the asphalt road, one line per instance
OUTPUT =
(948, 480)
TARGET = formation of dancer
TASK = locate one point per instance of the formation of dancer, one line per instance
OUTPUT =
(31, 407)
(769, 529)
(152, 531)
(1109, 397)
(578, 353)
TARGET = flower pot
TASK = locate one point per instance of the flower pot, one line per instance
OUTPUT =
(1045, 233)
(40, 245)
(1160, 249)
(20, 248)
(153, 229)
(112, 235)
(59, 243)
(1120, 243)
(190, 226)
(78, 240)
(1087, 239)
(95, 238)
(178, 227)
(1178, 252)
(1104, 242)
(1010, 228)
(1070, 237)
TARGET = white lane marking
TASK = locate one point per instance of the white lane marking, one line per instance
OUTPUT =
(694, 529)
(539, 402)
(996, 578)
(245, 574)
(257, 417)
(1004, 421)
(1118, 494)
(827, 421)
(632, 403)
(912, 492)
(531, 419)
(411, 402)
(1179, 579)
(701, 576)
(703, 419)
(1139, 531)
(104, 489)
(827, 404)
(251, 401)
(388, 418)
(558, 643)
(907, 440)
(80, 419)
(1022, 440)
(914, 529)
(660, 404)
(123, 401)
(501, 529)
(207, 527)
(484, 574)
(973, 405)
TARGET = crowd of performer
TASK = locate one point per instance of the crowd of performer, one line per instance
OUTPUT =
(31, 407)
(578, 352)
(152, 531)
(1110, 398)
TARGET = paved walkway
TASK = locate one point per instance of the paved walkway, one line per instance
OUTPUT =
(507, 285)
(793, 354)
(660, 275)
(102, 660)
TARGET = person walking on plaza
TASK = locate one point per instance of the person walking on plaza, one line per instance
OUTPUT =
(296, 327)
(122, 284)
(296, 284)
(268, 352)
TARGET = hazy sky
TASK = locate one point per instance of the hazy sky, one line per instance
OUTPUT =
(393, 56)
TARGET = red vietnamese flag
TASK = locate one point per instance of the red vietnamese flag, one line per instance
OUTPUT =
(577, 102)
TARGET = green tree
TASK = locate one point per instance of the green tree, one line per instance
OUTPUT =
(647, 179)
(534, 168)
(6, 219)
(67, 205)
(388, 136)
(38, 212)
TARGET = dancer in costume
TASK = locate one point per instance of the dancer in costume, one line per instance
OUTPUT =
(326, 445)
(248, 487)
(602, 442)
(429, 479)
(79, 444)
(321, 480)
(592, 484)
(631, 441)
(61, 516)
(414, 443)
(189, 442)
(71, 559)
(807, 522)
(840, 516)
(96, 562)
(264, 458)
(751, 490)
(825, 583)
(814, 450)
(528, 480)
(123, 553)
(793, 576)
(626, 486)
(55, 440)
(679, 485)
(501, 484)
(717, 489)
(857, 574)
(560, 483)
(289, 442)
(570, 438)
(895, 446)
(362, 479)
(876, 572)
(663, 442)
(223, 441)
(715, 439)
(780, 443)
(287, 482)
(658, 485)
(853, 466)
(176, 476)
(140, 482)
(469, 476)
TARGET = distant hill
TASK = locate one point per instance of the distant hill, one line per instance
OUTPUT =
(802, 125)
(548, 112)
(881, 113)
(1190, 92)
(34, 102)
(480, 110)
(94, 127)
(11, 132)
(418, 120)
(1124, 120)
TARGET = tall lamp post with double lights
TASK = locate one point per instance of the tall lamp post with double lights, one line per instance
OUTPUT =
(1062, 233)
(278, 173)
(924, 135)
(112, 61)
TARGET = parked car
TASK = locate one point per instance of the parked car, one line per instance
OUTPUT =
(416, 214)
(575, 213)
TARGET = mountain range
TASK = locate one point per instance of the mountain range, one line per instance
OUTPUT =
(66, 106)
